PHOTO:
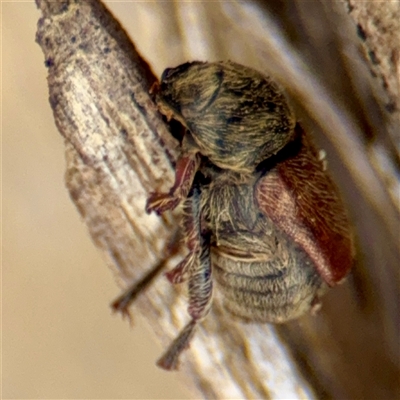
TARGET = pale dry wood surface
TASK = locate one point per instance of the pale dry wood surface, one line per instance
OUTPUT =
(116, 146)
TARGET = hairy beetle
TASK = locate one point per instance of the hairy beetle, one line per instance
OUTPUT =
(261, 218)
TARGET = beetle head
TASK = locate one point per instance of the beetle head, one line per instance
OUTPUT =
(237, 116)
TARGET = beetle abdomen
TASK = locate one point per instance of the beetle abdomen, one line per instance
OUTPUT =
(262, 275)
(281, 289)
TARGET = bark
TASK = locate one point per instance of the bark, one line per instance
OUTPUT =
(118, 150)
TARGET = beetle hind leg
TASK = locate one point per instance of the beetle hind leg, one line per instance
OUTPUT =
(170, 359)
(200, 296)
(200, 284)
(197, 266)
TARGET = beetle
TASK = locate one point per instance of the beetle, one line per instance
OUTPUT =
(262, 220)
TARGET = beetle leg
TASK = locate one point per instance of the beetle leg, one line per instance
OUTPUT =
(170, 359)
(200, 283)
(122, 303)
(191, 231)
(200, 293)
(198, 266)
(181, 272)
(198, 241)
(186, 168)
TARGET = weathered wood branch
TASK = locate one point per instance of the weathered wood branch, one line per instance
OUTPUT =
(378, 28)
(118, 149)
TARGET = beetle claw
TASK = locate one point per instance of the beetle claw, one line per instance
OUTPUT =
(121, 306)
(161, 202)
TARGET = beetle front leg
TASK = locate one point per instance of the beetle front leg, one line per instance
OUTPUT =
(186, 168)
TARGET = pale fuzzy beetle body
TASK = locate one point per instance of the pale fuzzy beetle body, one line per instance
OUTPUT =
(261, 218)
(262, 275)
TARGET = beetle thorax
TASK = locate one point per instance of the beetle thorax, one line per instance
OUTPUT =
(237, 117)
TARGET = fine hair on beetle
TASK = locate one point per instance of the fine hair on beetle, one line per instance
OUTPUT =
(262, 220)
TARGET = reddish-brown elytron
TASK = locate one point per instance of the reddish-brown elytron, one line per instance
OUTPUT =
(261, 218)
